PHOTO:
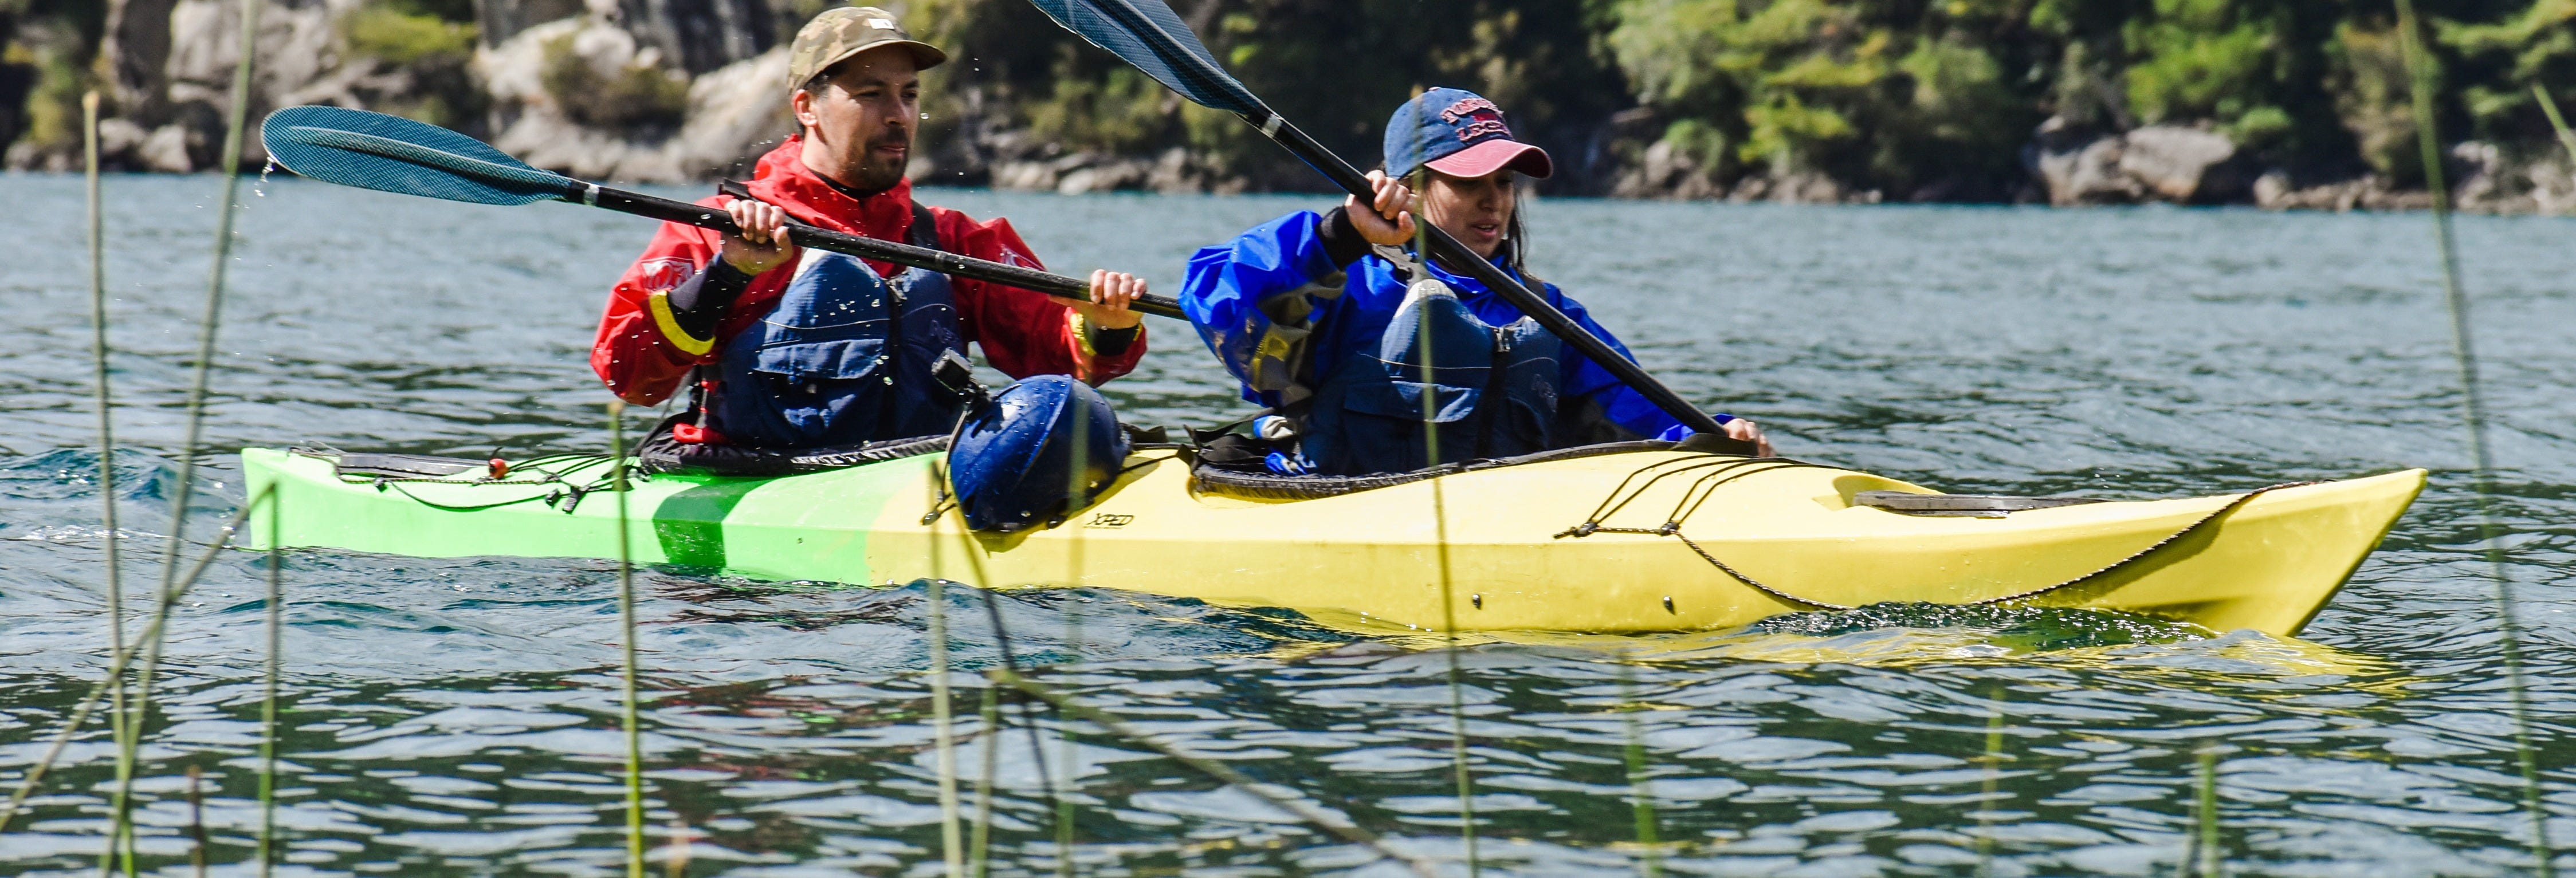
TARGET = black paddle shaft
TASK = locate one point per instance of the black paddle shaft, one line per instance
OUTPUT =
(1455, 254)
(803, 235)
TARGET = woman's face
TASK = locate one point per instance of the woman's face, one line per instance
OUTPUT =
(1475, 210)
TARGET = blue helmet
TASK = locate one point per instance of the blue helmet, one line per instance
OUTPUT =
(1039, 444)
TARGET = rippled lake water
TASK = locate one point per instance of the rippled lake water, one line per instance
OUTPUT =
(461, 716)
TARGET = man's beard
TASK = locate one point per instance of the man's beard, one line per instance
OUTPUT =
(874, 175)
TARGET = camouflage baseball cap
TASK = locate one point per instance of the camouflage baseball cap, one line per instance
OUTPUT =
(837, 34)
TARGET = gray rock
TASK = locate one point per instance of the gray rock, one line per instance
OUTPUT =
(2553, 186)
(2272, 190)
(2087, 174)
(736, 113)
(167, 149)
(1024, 176)
(701, 36)
(1664, 171)
(2178, 164)
(2478, 170)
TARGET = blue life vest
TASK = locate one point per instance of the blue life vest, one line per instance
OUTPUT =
(1492, 392)
(845, 357)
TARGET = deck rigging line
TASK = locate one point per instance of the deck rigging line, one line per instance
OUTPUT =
(121, 822)
(2464, 351)
(1721, 469)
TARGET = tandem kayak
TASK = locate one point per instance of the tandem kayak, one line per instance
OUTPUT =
(1636, 537)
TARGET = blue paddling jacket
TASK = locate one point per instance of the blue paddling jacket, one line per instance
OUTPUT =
(1299, 331)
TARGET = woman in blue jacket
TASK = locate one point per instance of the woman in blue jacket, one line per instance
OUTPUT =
(1372, 360)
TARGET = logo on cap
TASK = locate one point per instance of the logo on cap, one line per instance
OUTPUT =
(1487, 119)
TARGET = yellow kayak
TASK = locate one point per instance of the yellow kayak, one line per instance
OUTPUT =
(1637, 538)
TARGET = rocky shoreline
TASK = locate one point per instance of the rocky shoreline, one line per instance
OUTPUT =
(667, 91)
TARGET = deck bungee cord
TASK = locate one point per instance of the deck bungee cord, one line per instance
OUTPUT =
(2464, 353)
(1722, 470)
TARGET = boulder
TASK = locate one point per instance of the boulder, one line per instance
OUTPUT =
(1666, 171)
(2179, 164)
(167, 149)
(736, 113)
(2087, 174)
(297, 62)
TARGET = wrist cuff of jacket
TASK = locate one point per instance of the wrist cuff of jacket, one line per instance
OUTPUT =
(1082, 336)
(1087, 337)
(669, 324)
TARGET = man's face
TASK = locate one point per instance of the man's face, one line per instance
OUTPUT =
(859, 123)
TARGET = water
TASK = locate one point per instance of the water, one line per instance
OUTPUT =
(460, 716)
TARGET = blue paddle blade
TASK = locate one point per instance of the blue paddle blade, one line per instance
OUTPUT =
(1148, 34)
(394, 154)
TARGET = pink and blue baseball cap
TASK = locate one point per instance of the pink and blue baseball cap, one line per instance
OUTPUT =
(1459, 134)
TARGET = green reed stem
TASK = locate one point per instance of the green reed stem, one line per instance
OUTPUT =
(119, 665)
(626, 624)
(2473, 405)
(268, 699)
(1065, 744)
(113, 684)
(979, 849)
(1219, 771)
(939, 657)
(196, 822)
(1640, 785)
(2210, 858)
(2549, 108)
(121, 825)
(952, 847)
(1458, 754)
(106, 426)
(1993, 781)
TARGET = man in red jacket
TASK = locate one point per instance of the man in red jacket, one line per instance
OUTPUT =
(806, 349)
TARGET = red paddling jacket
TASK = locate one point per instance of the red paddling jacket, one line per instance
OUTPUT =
(644, 356)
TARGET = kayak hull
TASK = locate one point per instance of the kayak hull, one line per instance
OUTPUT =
(1477, 550)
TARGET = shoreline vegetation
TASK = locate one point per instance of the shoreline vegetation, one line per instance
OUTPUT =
(2285, 104)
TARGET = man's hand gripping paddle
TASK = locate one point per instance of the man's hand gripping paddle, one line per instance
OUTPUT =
(394, 154)
(1148, 34)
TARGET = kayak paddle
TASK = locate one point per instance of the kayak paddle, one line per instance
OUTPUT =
(394, 154)
(1149, 35)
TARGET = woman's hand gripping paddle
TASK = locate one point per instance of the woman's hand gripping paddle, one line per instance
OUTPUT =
(394, 154)
(1148, 34)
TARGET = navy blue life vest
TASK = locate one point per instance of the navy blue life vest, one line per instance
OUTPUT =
(1492, 391)
(845, 357)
